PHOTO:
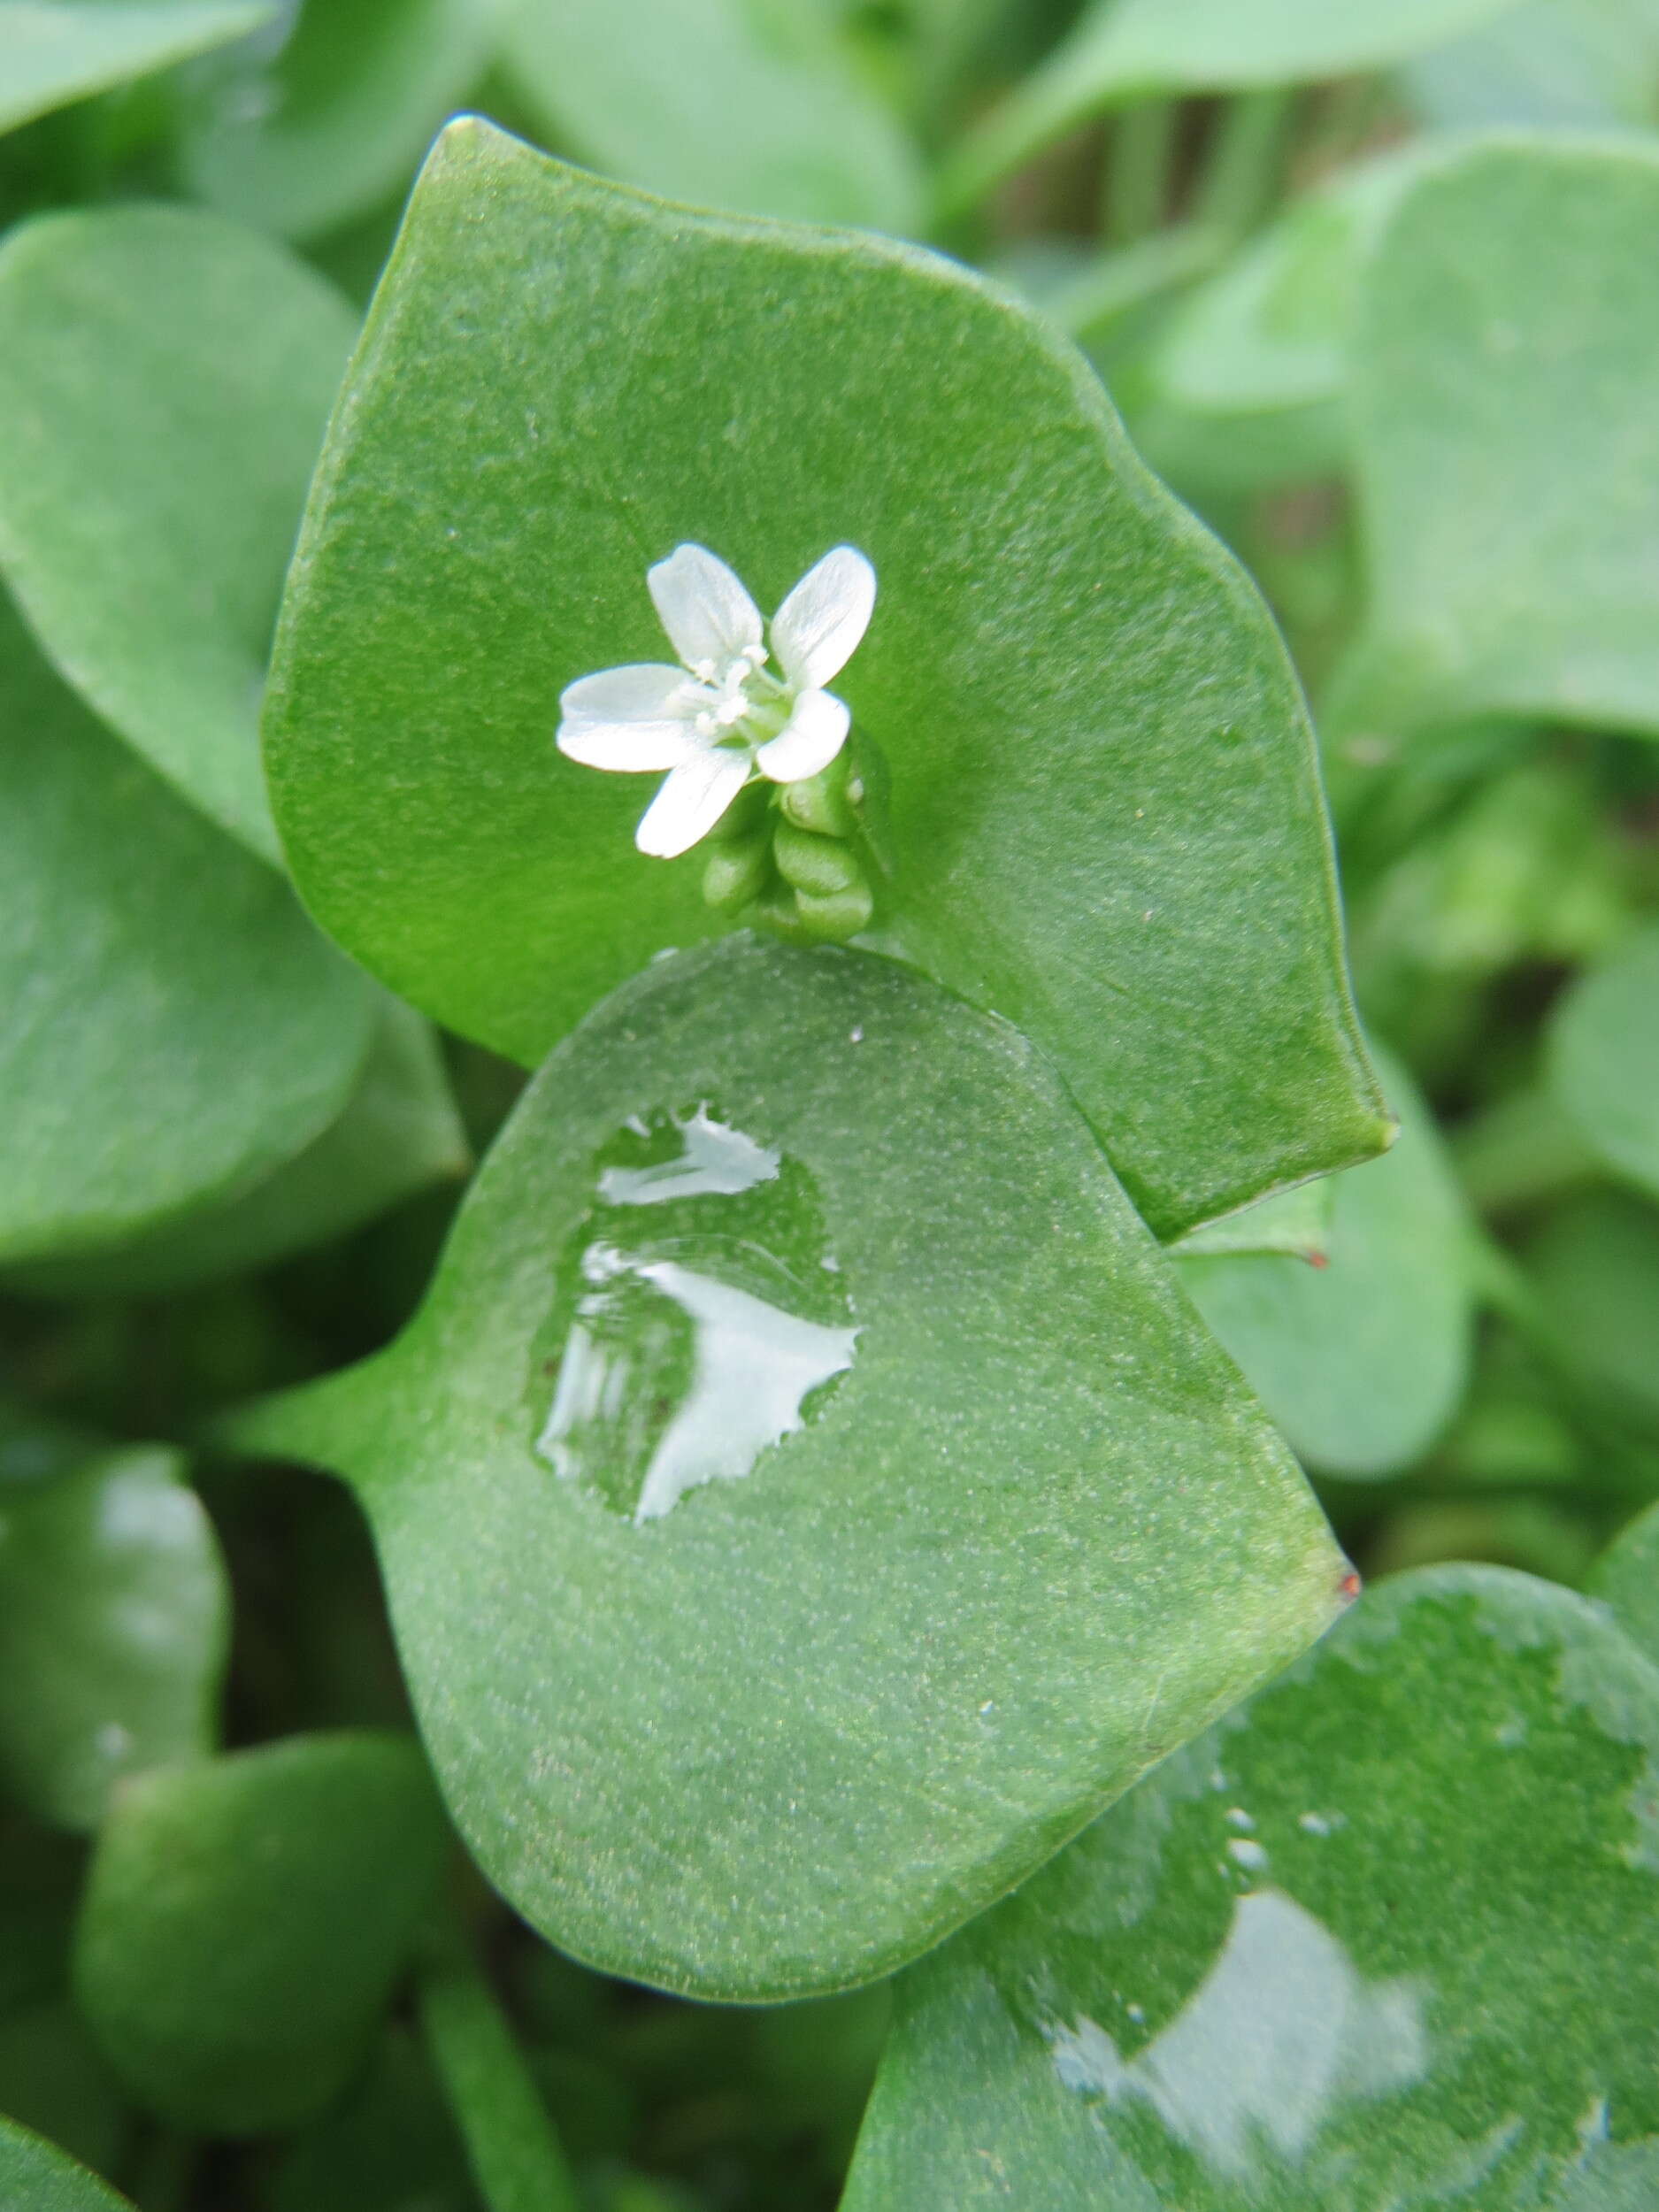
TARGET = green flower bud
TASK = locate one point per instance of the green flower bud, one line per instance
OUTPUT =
(837, 917)
(822, 866)
(735, 875)
(823, 803)
(777, 910)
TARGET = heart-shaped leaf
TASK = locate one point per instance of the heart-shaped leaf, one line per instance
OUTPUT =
(718, 102)
(326, 120)
(114, 1612)
(1506, 442)
(226, 1034)
(244, 1921)
(54, 52)
(1100, 810)
(165, 378)
(1012, 1528)
(37, 2177)
(1329, 1956)
(1627, 1580)
(399, 1132)
(1604, 1059)
(1361, 1357)
(1123, 51)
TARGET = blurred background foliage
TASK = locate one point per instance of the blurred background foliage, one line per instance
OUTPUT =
(1236, 210)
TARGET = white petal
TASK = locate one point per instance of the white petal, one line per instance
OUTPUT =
(703, 607)
(631, 719)
(817, 630)
(692, 800)
(810, 738)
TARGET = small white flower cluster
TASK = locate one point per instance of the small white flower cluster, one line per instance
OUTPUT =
(745, 700)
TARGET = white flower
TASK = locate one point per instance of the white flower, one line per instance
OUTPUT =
(724, 713)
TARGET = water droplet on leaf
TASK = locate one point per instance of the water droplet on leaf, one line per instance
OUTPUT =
(699, 1317)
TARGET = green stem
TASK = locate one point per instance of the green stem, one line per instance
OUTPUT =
(1520, 1151)
(1244, 163)
(1140, 150)
(516, 2157)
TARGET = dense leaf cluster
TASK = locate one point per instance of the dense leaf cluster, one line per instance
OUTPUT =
(650, 1566)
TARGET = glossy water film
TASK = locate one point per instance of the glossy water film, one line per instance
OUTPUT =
(699, 1316)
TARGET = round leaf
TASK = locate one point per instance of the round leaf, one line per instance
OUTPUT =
(1007, 1528)
(54, 52)
(1331, 1956)
(325, 118)
(717, 103)
(1361, 1357)
(1507, 441)
(1064, 674)
(245, 1918)
(114, 1616)
(399, 1132)
(165, 378)
(37, 2176)
(176, 1028)
(1604, 1059)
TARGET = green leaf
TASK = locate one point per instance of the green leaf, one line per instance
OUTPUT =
(400, 1132)
(325, 118)
(1124, 51)
(114, 1621)
(245, 1919)
(1012, 1531)
(1064, 674)
(1584, 64)
(1603, 1058)
(747, 104)
(37, 2177)
(1627, 1580)
(177, 1030)
(1255, 362)
(1594, 1269)
(1331, 1956)
(54, 2080)
(54, 52)
(1506, 442)
(1362, 1361)
(165, 378)
(1297, 1222)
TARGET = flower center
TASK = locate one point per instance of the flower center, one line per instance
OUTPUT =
(739, 700)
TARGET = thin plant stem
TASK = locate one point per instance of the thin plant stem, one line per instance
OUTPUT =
(1245, 163)
(1140, 152)
(516, 2156)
